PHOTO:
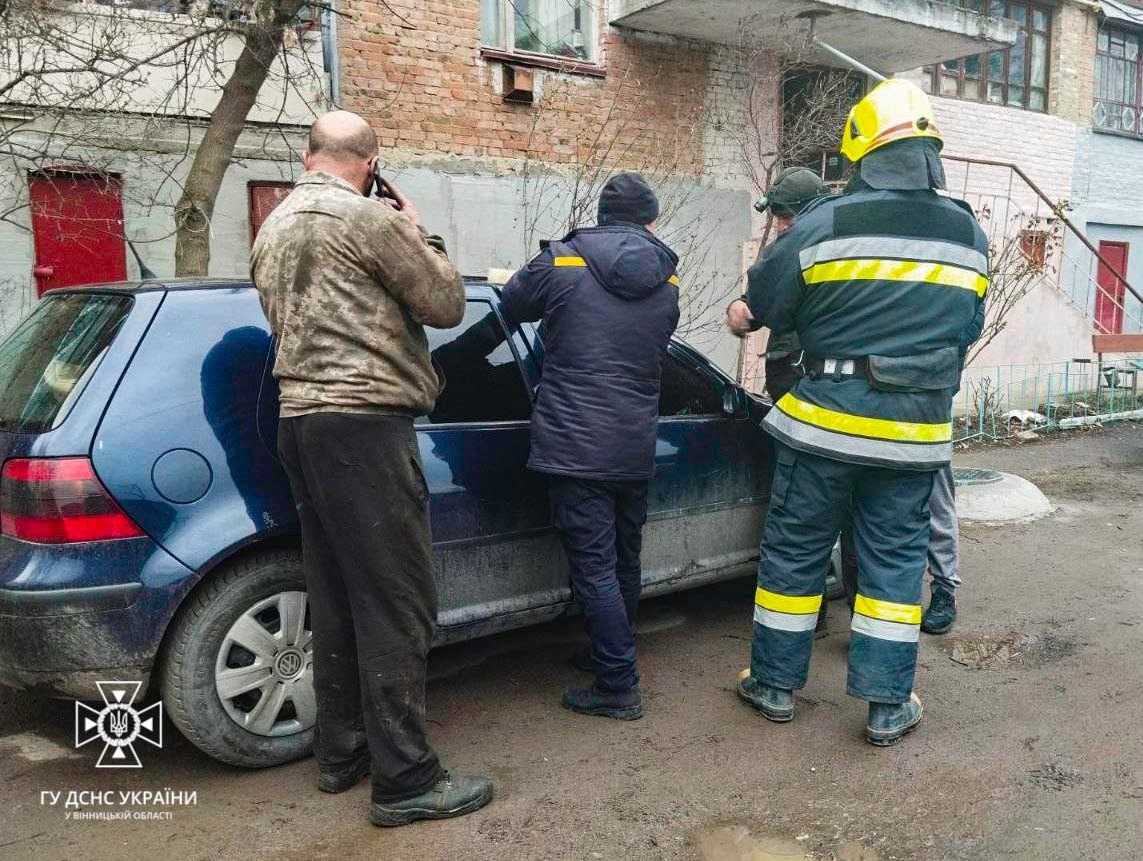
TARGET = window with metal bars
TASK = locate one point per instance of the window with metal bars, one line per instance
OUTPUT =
(1117, 88)
(1017, 76)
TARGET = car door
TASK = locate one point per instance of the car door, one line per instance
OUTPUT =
(495, 552)
(708, 498)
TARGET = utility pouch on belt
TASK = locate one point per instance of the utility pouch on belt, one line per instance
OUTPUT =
(924, 372)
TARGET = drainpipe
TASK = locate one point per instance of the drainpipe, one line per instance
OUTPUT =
(329, 51)
(848, 60)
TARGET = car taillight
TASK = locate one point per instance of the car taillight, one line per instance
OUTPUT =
(59, 501)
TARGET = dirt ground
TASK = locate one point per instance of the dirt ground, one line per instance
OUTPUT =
(1031, 747)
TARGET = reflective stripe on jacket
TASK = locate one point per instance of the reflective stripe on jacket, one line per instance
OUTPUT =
(872, 273)
(609, 301)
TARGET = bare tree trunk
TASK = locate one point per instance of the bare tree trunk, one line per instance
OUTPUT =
(195, 209)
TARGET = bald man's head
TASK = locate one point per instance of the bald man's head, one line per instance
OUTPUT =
(342, 145)
(342, 135)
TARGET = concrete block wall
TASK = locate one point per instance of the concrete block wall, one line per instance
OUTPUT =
(1044, 146)
(1107, 188)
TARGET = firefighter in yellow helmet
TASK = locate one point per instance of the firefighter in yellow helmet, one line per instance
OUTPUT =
(883, 285)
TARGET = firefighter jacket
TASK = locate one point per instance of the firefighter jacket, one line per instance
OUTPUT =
(892, 279)
(609, 301)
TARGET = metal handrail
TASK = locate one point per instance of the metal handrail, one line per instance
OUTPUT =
(1056, 209)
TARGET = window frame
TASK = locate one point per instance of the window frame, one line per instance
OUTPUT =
(1106, 56)
(680, 354)
(507, 51)
(423, 423)
(939, 72)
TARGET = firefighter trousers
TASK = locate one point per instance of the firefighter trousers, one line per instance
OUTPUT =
(810, 500)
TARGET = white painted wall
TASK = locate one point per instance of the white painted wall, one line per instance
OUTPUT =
(185, 77)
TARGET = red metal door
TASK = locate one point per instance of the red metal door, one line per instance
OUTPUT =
(77, 228)
(264, 197)
(1109, 296)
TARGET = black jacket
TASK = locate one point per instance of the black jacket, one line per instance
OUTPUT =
(609, 301)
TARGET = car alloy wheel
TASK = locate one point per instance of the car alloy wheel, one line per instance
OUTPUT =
(264, 671)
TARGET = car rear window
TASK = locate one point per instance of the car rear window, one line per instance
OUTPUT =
(45, 362)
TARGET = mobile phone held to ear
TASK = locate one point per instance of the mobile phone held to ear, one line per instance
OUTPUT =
(382, 190)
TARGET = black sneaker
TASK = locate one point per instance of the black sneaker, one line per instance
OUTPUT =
(888, 723)
(450, 796)
(621, 705)
(343, 779)
(941, 614)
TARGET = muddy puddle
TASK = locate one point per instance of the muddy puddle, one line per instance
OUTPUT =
(1008, 650)
(736, 843)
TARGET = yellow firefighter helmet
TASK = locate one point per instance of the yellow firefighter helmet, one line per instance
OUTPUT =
(894, 110)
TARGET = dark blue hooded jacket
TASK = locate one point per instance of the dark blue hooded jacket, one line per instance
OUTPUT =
(609, 301)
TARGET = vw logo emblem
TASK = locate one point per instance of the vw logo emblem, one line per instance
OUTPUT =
(290, 663)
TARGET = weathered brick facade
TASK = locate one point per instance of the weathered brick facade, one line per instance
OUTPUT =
(427, 89)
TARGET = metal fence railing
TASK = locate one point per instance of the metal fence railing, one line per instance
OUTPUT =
(1000, 401)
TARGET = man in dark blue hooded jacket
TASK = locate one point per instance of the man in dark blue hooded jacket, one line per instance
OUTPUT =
(609, 300)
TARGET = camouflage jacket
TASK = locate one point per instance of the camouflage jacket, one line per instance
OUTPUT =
(348, 285)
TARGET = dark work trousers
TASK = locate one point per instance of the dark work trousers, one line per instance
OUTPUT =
(780, 378)
(363, 507)
(601, 526)
(944, 540)
(810, 501)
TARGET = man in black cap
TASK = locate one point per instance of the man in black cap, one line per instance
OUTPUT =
(609, 300)
(793, 190)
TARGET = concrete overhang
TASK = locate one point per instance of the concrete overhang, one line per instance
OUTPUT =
(887, 35)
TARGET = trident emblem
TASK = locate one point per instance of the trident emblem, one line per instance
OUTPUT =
(119, 725)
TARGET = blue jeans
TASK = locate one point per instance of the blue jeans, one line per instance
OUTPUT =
(601, 526)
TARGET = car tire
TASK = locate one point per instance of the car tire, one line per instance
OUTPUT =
(204, 626)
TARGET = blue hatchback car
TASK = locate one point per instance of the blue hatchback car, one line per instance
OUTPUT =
(147, 531)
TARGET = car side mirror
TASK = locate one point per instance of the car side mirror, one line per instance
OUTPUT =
(734, 400)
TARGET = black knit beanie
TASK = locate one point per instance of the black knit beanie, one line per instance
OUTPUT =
(627, 199)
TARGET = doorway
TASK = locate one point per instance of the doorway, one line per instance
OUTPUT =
(1111, 289)
(77, 228)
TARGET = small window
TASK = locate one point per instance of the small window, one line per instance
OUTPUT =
(46, 361)
(480, 378)
(554, 28)
(1118, 96)
(1018, 76)
(687, 391)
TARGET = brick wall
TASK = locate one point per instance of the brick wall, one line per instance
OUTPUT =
(426, 89)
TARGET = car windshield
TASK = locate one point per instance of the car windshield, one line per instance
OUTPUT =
(44, 363)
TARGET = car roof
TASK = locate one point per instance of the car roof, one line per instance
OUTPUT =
(477, 288)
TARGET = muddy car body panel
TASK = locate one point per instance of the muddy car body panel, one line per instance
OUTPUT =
(178, 418)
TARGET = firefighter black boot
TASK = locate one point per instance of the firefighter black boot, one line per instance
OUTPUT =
(889, 722)
(776, 704)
